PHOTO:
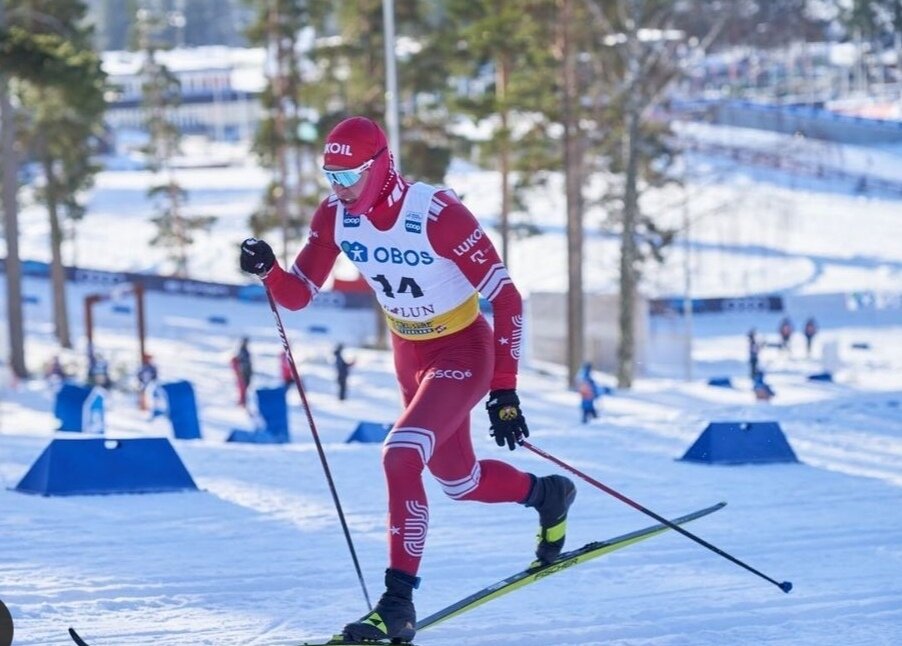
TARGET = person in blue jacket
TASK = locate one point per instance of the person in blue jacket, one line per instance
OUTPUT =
(588, 392)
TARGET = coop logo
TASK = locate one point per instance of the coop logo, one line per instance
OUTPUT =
(355, 251)
(335, 148)
(456, 375)
(414, 223)
(350, 220)
(387, 255)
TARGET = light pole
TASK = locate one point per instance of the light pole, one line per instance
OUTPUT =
(687, 288)
(391, 82)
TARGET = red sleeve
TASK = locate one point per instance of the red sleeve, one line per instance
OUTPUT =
(455, 234)
(298, 286)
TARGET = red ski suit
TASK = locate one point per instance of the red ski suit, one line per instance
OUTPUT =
(444, 365)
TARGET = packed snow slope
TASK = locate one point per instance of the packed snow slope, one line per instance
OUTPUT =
(257, 556)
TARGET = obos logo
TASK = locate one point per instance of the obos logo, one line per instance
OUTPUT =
(385, 255)
(351, 220)
(355, 251)
(414, 222)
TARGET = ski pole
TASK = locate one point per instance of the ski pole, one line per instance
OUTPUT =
(319, 446)
(785, 586)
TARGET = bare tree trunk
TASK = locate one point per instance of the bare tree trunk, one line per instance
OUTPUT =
(10, 166)
(178, 225)
(573, 182)
(628, 252)
(57, 271)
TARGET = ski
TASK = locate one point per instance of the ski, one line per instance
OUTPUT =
(338, 640)
(564, 562)
(535, 573)
(516, 581)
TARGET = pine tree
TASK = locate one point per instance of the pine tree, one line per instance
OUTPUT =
(280, 142)
(161, 93)
(423, 141)
(635, 59)
(349, 53)
(505, 51)
(61, 90)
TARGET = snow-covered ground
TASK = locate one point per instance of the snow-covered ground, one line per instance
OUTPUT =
(258, 557)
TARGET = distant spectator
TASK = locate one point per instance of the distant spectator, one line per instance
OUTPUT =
(810, 332)
(54, 371)
(342, 368)
(754, 350)
(243, 368)
(99, 371)
(762, 390)
(786, 329)
(588, 393)
(147, 379)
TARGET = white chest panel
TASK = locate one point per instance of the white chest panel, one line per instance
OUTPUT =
(410, 280)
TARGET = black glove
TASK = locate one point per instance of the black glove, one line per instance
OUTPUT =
(507, 421)
(256, 257)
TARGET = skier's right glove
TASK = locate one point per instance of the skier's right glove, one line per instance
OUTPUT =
(507, 421)
(257, 257)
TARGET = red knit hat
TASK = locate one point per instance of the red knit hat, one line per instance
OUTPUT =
(353, 142)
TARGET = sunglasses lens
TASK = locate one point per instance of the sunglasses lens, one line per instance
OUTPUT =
(344, 178)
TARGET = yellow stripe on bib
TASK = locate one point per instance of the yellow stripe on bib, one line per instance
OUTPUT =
(441, 325)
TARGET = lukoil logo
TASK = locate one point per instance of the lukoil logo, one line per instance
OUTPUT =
(457, 375)
(335, 148)
(471, 240)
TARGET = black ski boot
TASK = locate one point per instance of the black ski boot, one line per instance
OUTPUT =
(394, 617)
(551, 496)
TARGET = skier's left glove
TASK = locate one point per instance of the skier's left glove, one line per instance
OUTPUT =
(507, 421)
(257, 257)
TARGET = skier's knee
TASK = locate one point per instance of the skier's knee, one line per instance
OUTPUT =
(401, 462)
(462, 488)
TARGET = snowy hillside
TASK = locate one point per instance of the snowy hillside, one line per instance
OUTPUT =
(258, 557)
(749, 231)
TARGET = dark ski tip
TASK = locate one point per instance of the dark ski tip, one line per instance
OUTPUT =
(786, 586)
(338, 641)
(75, 637)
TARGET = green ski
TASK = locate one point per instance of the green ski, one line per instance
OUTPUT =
(564, 562)
(535, 573)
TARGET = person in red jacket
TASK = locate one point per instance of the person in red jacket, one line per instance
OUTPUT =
(427, 259)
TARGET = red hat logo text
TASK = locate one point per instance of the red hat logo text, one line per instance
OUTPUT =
(335, 148)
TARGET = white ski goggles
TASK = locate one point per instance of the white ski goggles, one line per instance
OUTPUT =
(347, 177)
